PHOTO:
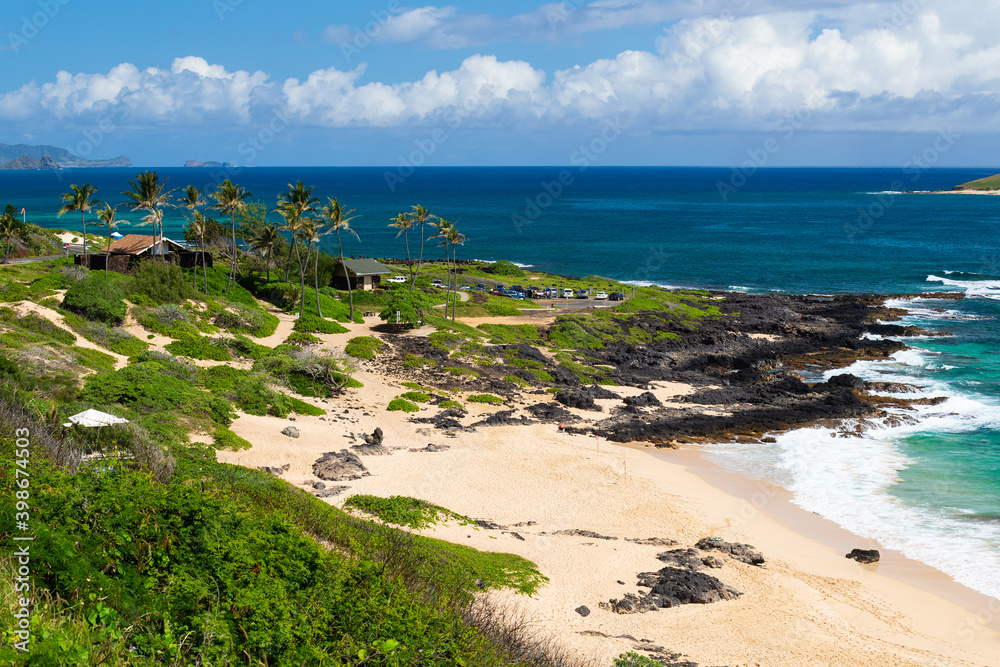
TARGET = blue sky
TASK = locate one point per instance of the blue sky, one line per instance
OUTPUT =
(701, 82)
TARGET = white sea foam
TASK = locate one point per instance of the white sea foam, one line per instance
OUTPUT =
(850, 479)
(989, 289)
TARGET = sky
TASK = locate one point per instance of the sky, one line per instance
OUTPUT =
(761, 83)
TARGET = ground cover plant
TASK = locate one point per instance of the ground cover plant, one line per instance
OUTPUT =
(363, 347)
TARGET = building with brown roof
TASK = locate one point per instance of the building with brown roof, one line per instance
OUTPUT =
(127, 251)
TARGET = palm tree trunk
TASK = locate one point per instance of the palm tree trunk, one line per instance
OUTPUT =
(409, 262)
(232, 265)
(6, 249)
(454, 262)
(302, 282)
(319, 309)
(420, 262)
(270, 249)
(107, 255)
(350, 292)
(204, 264)
(447, 296)
(83, 217)
(288, 264)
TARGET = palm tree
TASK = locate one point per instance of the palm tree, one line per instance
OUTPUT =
(420, 216)
(267, 237)
(312, 233)
(294, 225)
(80, 200)
(197, 229)
(339, 220)
(108, 217)
(231, 199)
(455, 238)
(148, 194)
(9, 225)
(404, 224)
(193, 200)
(442, 226)
(299, 201)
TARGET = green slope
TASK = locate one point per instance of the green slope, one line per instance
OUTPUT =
(65, 158)
(988, 183)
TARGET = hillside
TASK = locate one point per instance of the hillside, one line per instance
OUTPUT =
(988, 183)
(64, 158)
(26, 163)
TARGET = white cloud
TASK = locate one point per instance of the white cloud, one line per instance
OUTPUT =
(706, 73)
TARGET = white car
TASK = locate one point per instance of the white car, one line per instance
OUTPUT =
(397, 279)
(601, 296)
(567, 293)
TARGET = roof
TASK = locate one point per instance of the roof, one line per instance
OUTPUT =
(94, 418)
(365, 267)
(136, 244)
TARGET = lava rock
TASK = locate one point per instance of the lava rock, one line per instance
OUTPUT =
(551, 413)
(371, 450)
(375, 438)
(671, 587)
(690, 559)
(583, 611)
(846, 381)
(340, 466)
(290, 431)
(744, 553)
(643, 400)
(864, 555)
(504, 418)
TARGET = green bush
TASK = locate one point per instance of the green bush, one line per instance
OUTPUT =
(501, 308)
(417, 397)
(98, 299)
(513, 379)
(160, 283)
(415, 361)
(250, 320)
(568, 334)
(410, 307)
(633, 659)
(451, 405)
(299, 338)
(115, 340)
(226, 439)
(168, 320)
(314, 325)
(363, 347)
(446, 341)
(486, 398)
(36, 324)
(401, 405)
(244, 347)
(402, 510)
(505, 268)
(249, 392)
(512, 333)
(200, 348)
(461, 371)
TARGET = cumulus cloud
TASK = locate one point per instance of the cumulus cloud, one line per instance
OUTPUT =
(705, 73)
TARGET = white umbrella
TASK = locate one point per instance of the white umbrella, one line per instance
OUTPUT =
(94, 419)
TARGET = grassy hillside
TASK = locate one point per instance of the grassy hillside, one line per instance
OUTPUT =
(988, 183)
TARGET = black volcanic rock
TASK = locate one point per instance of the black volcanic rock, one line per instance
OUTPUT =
(864, 555)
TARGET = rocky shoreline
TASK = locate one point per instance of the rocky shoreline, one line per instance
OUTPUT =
(754, 369)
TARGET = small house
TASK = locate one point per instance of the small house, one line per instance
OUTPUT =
(363, 274)
(133, 248)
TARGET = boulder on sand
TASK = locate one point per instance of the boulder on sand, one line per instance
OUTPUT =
(339, 467)
(864, 555)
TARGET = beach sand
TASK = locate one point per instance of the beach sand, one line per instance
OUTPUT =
(809, 605)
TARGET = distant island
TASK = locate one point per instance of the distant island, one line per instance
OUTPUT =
(24, 157)
(209, 163)
(988, 183)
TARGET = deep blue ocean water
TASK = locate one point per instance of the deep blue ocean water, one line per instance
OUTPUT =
(930, 488)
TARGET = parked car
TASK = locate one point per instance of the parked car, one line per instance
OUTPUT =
(516, 288)
(511, 294)
(583, 294)
(480, 287)
(396, 279)
(464, 287)
(437, 283)
(499, 288)
(550, 293)
(567, 293)
(601, 296)
(616, 296)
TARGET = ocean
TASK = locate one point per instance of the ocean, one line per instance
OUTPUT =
(929, 488)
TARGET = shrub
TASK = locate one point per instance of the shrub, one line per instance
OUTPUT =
(98, 299)
(451, 405)
(568, 334)
(504, 268)
(73, 273)
(416, 386)
(226, 439)
(513, 379)
(512, 333)
(417, 397)
(415, 361)
(461, 371)
(244, 347)
(115, 340)
(200, 348)
(501, 308)
(446, 340)
(486, 398)
(300, 339)
(401, 405)
(161, 283)
(313, 324)
(402, 510)
(363, 347)
(410, 306)
(633, 659)
(253, 321)
(168, 320)
(37, 324)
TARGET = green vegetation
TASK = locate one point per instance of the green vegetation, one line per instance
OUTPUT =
(115, 340)
(451, 405)
(633, 659)
(404, 511)
(401, 405)
(513, 379)
(98, 299)
(415, 361)
(512, 334)
(226, 439)
(988, 183)
(168, 320)
(417, 397)
(314, 325)
(249, 320)
(299, 338)
(461, 371)
(405, 307)
(34, 323)
(486, 398)
(363, 347)
(505, 268)
(200, 348)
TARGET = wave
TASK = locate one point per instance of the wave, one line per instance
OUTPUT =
(850, 480)
(989, 289)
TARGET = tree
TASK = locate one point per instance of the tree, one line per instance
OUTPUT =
(231, 199)
(148, 194)
(408, 306)
(9, 226)
(80, 199)
(108, 217)
(193, 200)
(404, 224)
(420, 216)
(197, 230)
(294, 224)
(265, 240)
(292, 206)
(455, 238)
(339, 220)
(442, 226)
(313, 233)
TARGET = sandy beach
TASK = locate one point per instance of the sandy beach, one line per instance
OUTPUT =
(808, 604)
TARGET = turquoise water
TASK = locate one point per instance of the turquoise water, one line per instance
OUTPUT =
(929, 487)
